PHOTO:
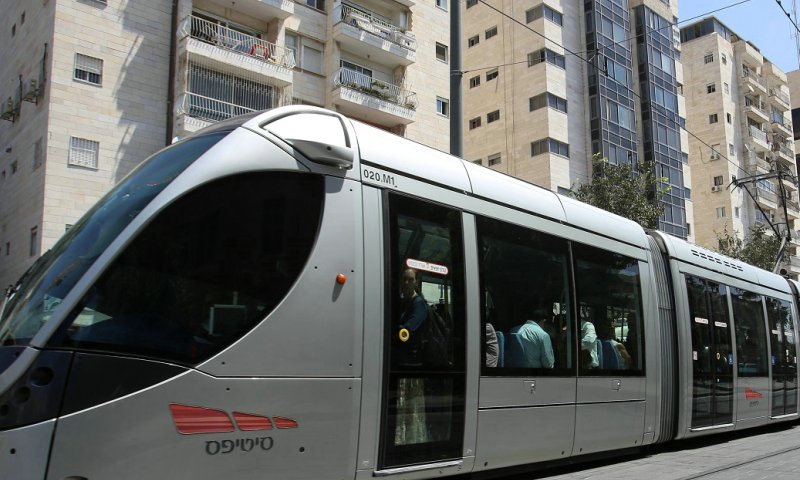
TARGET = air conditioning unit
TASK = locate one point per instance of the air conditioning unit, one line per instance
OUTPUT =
(716, 188)
(714, 156)
(8, 111)
(31, 93)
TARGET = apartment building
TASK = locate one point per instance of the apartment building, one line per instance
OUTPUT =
(549, 84)
(741, 118)
(92, 87)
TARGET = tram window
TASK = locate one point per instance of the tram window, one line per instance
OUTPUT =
(609, 295)
(525, 300)
(205, 270)
(751, 333)
(784, 356)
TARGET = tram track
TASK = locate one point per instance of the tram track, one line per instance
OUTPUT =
(740, 463)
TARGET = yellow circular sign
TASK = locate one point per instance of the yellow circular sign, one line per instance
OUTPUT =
(404, 334)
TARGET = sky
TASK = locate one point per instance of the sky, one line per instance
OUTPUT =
(762, 22)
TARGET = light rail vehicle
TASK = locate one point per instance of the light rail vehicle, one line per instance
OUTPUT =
(260, 301)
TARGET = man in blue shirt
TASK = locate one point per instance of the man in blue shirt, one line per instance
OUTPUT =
(537, 345)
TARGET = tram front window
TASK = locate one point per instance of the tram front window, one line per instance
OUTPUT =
(49, 280)
(207, 269)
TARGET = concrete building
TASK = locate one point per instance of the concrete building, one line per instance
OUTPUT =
(90, 88)
(550, 84)
(740, 116)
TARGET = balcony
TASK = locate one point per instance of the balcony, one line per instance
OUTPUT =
(766, 198)
(748, 53)
(781, 125)
(761, 165)
(366, 34)
(261, 9)
(753, 81)
(231, 50)
(784, 153)
(372, 100)
(780, 98)
(758, 139)
(756, 110)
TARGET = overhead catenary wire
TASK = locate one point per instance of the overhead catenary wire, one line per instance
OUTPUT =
(632, 91)
(788, 16)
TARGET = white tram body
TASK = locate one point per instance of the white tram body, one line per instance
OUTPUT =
(232, 309)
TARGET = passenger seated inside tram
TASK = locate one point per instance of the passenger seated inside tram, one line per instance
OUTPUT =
(605, 332)
(492, 350)
(536, 342)
(588, 353)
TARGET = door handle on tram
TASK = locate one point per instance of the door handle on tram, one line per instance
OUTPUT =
(532, 385)
(616, 384)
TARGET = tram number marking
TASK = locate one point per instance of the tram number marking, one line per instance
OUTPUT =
(223, 447)
(379, 177)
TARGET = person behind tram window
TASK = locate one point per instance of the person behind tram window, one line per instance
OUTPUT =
(412, 318)
(537, 344)
(605, 332)
(492, 350)
(589, 343)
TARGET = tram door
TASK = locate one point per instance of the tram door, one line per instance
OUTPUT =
(424, 378)
(712, 353)
(783, 357)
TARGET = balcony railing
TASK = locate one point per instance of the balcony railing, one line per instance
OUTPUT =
(242, 43)
(758, 134)
(353, 80)
(210, 109)
(754, 77)
(774, 92)
(371, 23)
(786, 151)
(756, 104)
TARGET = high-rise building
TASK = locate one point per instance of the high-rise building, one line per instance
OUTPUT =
(741, 122)
(550, 84)
(91, 87)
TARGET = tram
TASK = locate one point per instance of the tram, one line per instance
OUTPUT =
(237, 307)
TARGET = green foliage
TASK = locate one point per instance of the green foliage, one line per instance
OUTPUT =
(634, 193)
(759, 248)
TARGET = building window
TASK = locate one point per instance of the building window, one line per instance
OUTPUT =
(546, 55)
(318, 4)
(493, 116)
(8, 248)
(545, 11)
(492, 74)
(720, 212)
(442, 106)
(478, 162)
(14, 167)
(442, 52)
(474, 81)
(736, 212)
(37, 154)
(715, 151)
(472, 3)
(494, 159)
(711, 88)
(723, 58)
(308, 54)
(441, 4)
(475, 123)
(731, 149)
(729, 118)
(67, 227)
(713, 118)
(708, 58)
(88, 69)
(718, 180)
(726, 87)
(547, 100)
(549, 145)
(34, 246)
(472, 41)
(83, 152)
(491, 32)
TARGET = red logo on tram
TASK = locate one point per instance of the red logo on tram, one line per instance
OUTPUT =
(191, 420)
(751, 394)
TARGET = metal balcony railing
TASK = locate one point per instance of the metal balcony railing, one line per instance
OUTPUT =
(774, 92)
(756, 104)
(754, 77)
(353, 80)
(371, 23)
(786, 151)
(210, 109)
(242, 43)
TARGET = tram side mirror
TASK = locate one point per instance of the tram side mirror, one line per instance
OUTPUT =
(324, 153)
(320, 137)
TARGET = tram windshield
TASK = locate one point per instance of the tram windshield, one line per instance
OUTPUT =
(47, 282)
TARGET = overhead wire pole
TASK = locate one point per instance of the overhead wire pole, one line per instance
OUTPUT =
(456, 106)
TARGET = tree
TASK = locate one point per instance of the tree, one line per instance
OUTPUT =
(759, 248)
(634, 193)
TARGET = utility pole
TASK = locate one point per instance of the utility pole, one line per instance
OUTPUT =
(456, 108)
